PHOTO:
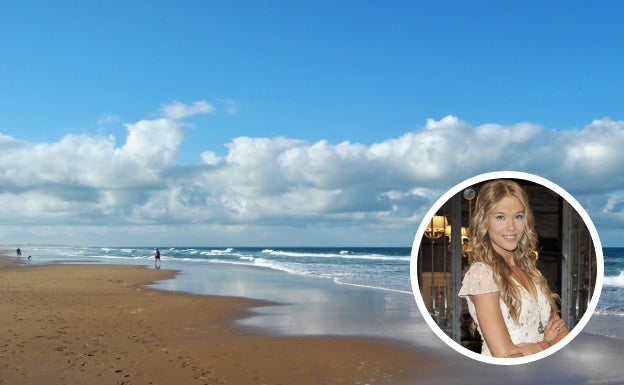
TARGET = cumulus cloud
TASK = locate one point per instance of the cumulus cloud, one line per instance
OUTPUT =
(593, 154)
(292, 184)
(210, 158)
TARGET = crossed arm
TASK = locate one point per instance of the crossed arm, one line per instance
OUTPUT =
(494, 330)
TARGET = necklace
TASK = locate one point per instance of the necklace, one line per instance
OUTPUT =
(540, 326)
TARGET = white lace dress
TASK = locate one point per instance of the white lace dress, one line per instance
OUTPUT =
(479, 280)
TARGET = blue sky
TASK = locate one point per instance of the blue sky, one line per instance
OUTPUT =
(279, 123)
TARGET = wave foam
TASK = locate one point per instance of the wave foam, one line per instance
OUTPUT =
(611, 312)
(614, 281)
(342, 254)
(220, 252)
(275, 266)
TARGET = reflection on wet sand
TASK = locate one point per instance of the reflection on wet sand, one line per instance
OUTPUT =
(312, 306)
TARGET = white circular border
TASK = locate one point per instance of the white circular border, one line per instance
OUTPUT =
(506, 175)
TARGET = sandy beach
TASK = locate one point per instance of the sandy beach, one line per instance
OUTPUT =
(94, 324)
(107, 324)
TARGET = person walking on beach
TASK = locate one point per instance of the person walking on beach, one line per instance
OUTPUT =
(157, 259)
(18, 252)
(508, 298)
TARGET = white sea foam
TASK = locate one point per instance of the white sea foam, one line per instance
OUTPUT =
(262, 262)
(341, 282)
(342, 254)
(219, 251)
(617, 281)
(612, 312)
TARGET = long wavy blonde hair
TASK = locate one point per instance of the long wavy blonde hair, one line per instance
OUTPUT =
(524, 256)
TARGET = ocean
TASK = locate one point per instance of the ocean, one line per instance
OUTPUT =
(377, 268)
(381, 269)
(612, 296)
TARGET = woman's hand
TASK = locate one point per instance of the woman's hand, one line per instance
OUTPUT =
(525, 349)
(555, 330)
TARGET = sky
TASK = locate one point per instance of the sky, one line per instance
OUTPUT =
(291, 123)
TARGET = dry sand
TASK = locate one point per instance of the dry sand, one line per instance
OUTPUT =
(95, 324)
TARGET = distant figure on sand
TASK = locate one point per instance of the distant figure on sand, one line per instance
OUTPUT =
(157, 259)
(19, 252)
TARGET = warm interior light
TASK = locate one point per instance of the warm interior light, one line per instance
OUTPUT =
(436, 227)
(465, 239)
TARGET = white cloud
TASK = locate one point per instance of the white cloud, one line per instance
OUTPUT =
(177, 110)
(370, 193)
(594, 152)
(151, 145)
(6, 140)
(210, 158)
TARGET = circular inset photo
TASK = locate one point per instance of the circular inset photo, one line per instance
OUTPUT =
(506, 267)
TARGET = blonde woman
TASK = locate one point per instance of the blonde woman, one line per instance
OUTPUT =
(508, 298)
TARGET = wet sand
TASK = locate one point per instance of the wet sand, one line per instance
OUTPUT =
(95, 324)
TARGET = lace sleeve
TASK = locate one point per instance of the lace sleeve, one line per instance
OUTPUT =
(478, 280)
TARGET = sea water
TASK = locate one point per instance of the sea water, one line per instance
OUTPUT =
(612, 296)
(608, 317)
(380, 268)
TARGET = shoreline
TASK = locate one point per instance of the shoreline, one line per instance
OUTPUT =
(99, 323)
